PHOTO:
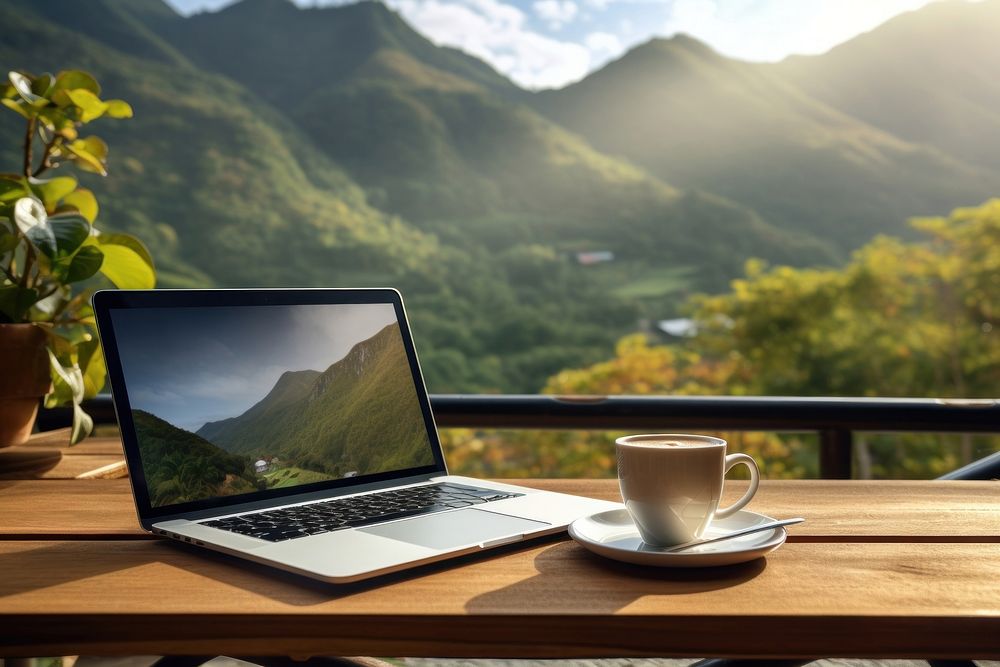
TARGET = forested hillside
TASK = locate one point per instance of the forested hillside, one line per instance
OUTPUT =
(181, 467)
(913, 319)
(335, 146)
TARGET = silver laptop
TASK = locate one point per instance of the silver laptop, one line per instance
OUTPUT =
(293, 428)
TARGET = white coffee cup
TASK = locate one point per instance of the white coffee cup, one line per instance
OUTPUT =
(671, 484)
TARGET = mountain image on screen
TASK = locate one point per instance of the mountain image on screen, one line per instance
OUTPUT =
(358, 417)
(180, 466)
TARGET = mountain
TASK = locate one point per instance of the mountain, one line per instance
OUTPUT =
(335, 146)
(359, 415)
(291, 388)
(928, 76)
(180, 466)
(224, 189)
(284, 53)
(442, 140)
(700, 120)
(129, 26)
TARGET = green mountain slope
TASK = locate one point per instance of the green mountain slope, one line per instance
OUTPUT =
(129, 26)
(928, 76)
(360, 415)
(438, 138)
(226, 190)
(291, 388)
(701, 120)
(223, 188)
(180, 466)
(283, 53)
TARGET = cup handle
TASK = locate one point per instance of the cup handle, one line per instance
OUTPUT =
(734, 460)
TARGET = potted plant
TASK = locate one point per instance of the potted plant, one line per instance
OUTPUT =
(52, 257)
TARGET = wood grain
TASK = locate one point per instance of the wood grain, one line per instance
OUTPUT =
(68, 509)
(834, 510)
(60, 440)
(555, 599)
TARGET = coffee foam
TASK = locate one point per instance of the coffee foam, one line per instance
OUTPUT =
(672, 443)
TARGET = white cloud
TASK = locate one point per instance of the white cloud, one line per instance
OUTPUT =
(497, 32)
(556, 12)
(604, 45)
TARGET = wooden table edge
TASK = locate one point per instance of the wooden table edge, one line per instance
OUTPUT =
(506, 636)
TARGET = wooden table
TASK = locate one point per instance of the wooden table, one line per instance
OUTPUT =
(879, 569)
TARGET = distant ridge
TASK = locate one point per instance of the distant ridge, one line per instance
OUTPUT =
(701, 120)
(291, 388)
(359, 415)
(284, 52)
(928, 76)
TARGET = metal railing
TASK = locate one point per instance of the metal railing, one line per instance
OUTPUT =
(834, 419)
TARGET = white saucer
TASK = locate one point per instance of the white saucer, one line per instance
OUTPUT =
(612, 534)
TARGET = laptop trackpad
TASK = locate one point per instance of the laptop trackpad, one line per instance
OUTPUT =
(448, 530)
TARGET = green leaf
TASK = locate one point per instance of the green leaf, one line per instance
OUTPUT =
(94, 370)
(131, 242)
(119, 109)
(51, 190)
(83, 425)
(70, 231)
(42, 85)
(16, 106)
(84, 201)
(85, 263)
(31, 219)
(68, 379)
(22, 84)
(57, 121)
(91, 106)
(7, 242)
(77, 80)
(125, 267)
(90, 153)
(11, 188)
(15, 301)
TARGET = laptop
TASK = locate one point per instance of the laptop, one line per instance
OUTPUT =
(293, 428)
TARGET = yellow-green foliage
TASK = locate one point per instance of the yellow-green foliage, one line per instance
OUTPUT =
(901, 319)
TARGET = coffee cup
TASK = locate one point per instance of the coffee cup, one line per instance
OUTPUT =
(671, 484)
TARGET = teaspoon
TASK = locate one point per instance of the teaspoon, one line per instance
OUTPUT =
(737, 533)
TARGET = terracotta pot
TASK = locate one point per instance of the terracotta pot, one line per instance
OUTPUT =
(24, 380)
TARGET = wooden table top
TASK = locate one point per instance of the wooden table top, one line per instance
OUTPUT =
(879, 569)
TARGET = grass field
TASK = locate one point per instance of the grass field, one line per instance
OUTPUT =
(283, 477)
(656, 283)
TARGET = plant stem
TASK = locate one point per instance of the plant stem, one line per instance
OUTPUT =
(29, 257)
(45, 164)
(29, 138)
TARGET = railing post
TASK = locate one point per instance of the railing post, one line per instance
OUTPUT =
(835, 449)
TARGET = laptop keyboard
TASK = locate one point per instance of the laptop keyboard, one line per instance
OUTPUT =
(330, 515)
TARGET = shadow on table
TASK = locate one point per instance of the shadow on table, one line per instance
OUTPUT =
(56, 564)
(571, 578)
(41, 567)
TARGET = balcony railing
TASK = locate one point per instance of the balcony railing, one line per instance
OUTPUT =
(834, 419)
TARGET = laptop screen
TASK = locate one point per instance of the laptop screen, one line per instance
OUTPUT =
(228, 401)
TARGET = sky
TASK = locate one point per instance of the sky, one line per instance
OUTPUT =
(551, 43)
(194, 365)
